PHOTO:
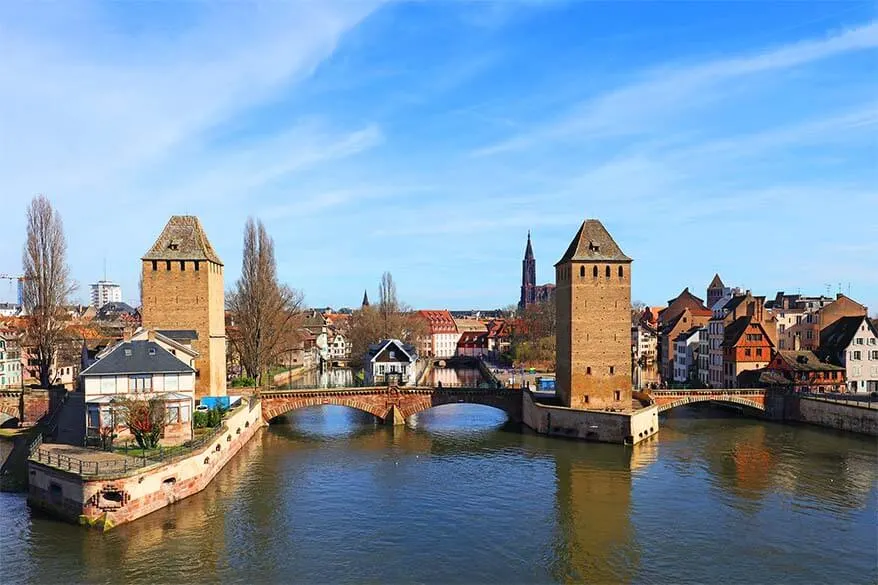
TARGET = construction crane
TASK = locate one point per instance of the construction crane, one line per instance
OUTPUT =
(18, 278)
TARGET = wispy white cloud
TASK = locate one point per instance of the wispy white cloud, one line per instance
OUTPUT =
(77, 114)
(672, 91)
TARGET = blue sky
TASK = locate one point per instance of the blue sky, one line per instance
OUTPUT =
(426, 138)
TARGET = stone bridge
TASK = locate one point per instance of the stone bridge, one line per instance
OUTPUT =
(27, 407)
(753, 398)
(390, 404)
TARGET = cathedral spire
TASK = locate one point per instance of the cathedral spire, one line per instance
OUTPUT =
(528, 252)
(365, 298)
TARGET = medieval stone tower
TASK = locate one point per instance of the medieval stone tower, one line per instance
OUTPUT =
(183, 290)
(593, 315)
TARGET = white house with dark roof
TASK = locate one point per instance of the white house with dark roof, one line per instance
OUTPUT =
(149, 366)
(390, 361)
(852, 342)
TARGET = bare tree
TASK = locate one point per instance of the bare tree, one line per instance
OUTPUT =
(390, 319)
(145, 418)
(267, 314)
(47, 284)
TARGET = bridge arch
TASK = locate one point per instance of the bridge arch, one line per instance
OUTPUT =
(7, 419)
(385, 402)
(667, 404)
(505, 400)
(277, 407)
(10, 411)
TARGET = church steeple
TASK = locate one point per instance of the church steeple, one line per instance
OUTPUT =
(365, 298)
(528, 277)
(528, 251)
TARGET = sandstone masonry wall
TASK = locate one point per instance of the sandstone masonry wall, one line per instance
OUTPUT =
(177, 296)
(605, 427)
(105, 503)
(593, 315)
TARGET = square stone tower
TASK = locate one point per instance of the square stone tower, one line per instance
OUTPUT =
(593, 316)
(183, 290)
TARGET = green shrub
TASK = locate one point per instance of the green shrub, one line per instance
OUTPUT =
(199, 419)
(243, 382)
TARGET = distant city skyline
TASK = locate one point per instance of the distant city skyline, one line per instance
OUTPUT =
(426, 139)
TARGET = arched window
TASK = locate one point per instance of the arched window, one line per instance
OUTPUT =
(608, 272)
(621, 272)
(595, 271)
(582, 272)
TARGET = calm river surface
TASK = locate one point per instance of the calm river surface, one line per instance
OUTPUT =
(456, 498)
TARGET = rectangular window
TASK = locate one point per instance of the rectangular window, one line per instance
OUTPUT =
(856, 355)
(747, 351)
(173, 414)
(809, 334)
(141, 383)
(874, 355)
(167, 264)
(196, 266)
(106, 417)
(94, 416)
(617, 395)
(759, 352)
(859, 341)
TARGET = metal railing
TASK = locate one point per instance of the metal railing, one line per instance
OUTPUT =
(859, 402)
(131, 458)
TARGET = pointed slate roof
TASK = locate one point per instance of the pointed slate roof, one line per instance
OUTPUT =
(528, 251)
(717, 282)
(593, 242)
(182, 239)
(836, 337)
(365, 298)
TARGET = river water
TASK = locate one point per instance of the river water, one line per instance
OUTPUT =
(457, 497)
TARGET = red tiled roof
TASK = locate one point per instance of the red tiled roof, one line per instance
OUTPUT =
(439, 321)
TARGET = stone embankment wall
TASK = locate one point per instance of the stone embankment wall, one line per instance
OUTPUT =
(488, 375)
(105, 503)
(842, 416)
(592, 425)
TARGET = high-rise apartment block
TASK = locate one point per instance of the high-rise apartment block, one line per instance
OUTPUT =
(103, 292)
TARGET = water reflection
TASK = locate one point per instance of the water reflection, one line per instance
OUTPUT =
(457, 376)
(461, 497)
(328, 378)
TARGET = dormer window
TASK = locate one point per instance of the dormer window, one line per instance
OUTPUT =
(593, 247)
(127, 352)
(151, 351)
(173, 245)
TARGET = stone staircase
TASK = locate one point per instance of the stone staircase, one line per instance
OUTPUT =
(70, 425)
